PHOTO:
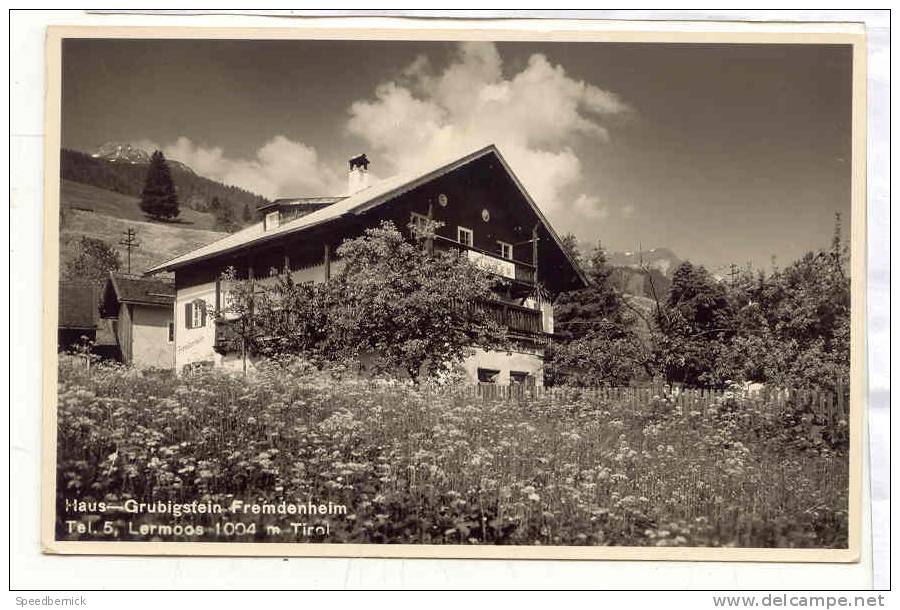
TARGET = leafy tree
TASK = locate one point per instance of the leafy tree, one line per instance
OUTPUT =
(247, 214)
(788, 329)
(694, 330)
(792, 328)
(598, 341)
(159, 199)
(608, 355)
(283, 317)
(799, 329)
(414, 310)
(401, 306)
(94, 260)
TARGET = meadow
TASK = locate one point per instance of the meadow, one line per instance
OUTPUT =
(112, 214)
(436, 465)
(86, 198)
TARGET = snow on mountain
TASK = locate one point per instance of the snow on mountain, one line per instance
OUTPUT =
(662, 259)
(127, 153)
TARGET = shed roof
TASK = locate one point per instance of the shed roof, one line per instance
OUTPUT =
(77, 304)
(142, 290)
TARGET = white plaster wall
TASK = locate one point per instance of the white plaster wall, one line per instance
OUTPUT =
(235, 363)
(504, 362)
(547, 314)
(336, 266)
(150, 345)
(194, 344)
(315, 273)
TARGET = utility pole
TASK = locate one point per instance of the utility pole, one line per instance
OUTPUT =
(130, 243)
(733, 273)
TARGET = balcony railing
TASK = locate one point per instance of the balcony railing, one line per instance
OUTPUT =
(521, 322)
(511, 269)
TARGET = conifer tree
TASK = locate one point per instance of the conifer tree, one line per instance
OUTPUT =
(580, 313)
(159, 199)
(224, 215)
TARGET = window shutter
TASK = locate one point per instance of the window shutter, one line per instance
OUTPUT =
(187, 315)
(202, 305)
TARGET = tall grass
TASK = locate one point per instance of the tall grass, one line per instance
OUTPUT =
(435, 466)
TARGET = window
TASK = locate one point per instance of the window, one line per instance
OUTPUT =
(197, 317)
(465, 236)
(195, 314)
(520, 378)
(273, 219)
(488, 375)
(506, 250)
(418, 222)
(192, 368)
(171, 332)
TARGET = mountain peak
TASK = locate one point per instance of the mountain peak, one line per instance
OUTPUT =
(124, 153)
(128, 153)
(662, 259)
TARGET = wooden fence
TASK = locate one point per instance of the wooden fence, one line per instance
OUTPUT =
(829, 406)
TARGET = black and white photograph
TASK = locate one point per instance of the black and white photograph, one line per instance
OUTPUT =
(463, 296)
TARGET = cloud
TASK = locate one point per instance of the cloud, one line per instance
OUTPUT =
(534, 116)
(424, 114)
(589, 207)
(147, 145)
(280, 168)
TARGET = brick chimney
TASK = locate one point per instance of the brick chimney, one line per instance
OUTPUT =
(358, 178)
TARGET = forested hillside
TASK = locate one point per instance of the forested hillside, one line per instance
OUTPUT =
(195, 192)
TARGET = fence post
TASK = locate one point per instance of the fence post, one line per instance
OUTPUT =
(841, 404)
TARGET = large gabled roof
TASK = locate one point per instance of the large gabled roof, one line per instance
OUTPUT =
(357, 203)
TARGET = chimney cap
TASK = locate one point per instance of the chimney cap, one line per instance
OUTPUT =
(360, 160)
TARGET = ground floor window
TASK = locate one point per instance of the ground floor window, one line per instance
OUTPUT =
(488, 376)
(171, 332)
(193, 368)
(195, 314)
(520, 378)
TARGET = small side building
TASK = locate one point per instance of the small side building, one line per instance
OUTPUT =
(142, 314)
(77, 319)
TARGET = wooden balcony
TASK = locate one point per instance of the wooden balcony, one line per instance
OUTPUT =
(521, 322)
(511, 269)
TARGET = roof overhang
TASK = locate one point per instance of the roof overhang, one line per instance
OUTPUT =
(359, 204)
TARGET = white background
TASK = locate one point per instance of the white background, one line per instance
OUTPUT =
(31, 570)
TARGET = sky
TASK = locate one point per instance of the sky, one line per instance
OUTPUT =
(722, 153)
